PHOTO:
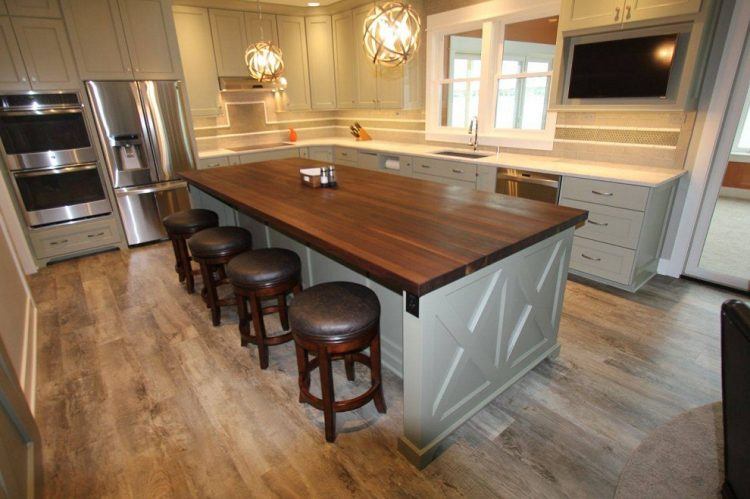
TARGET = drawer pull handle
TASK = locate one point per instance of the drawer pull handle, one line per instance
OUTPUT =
(600, 224)
(617, 13)
(456, 170)
(98, 234)
(61, 241)
(600, 193)
(425, 166)
(584, 255)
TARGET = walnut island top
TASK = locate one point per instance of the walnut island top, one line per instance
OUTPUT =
(408, 234)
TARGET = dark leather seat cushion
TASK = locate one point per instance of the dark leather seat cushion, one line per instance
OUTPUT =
(220, 241)
(263, 267)
(334, 311)
(189, 221)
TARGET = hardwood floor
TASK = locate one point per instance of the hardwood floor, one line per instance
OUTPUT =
(139, 396)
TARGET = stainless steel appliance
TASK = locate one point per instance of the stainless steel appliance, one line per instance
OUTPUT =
(527, 184)
(143, 128)
(50, 159)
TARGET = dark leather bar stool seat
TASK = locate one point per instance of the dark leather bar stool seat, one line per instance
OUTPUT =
(259, 275)
(337, 320)
(213, 248)
(180, 227)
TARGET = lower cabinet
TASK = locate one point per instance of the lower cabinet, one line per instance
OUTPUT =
(320, 154)
(446, 172)
(63, 240)
(621, 241)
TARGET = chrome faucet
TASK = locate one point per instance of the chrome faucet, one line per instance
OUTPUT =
(474, 133)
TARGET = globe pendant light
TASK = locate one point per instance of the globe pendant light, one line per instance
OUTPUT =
(391, 33)
(264, 59)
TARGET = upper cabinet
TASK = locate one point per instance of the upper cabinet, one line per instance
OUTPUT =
(13, 74)
(152, 41)
(123, 39)
(260, 28)
(583, 14)
(344, 46)
(46, 53)
(34, 8)
(232, 31)
(366, 76)
(320, 53)
(293, 45)
(98, 39)
(198, 62)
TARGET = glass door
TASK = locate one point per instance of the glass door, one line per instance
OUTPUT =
(720, 249)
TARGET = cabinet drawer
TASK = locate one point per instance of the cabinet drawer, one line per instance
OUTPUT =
(344, 154)
(57, 241)
(445, 180)
(632, 197)
(606, 224)
(212, 162)
(602, 260)
(255, 157)
(368, 160)
(447, 169)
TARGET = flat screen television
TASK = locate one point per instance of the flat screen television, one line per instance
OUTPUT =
(631, 67)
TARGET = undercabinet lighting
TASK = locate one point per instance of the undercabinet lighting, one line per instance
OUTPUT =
(313, 4)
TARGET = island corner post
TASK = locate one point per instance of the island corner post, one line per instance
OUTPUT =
(458, 339)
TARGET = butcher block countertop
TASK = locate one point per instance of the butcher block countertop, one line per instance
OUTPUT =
(408, 234)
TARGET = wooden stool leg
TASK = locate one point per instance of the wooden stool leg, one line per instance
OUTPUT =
(303, 379)
(212, 299)
(260, 330)
(178, 267)
(283, 314)
(244, 319)
(349, 365)
(326, 385)
(375, 374)
(186, 265)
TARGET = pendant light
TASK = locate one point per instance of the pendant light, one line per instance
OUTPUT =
(391, 33)
(264, 59)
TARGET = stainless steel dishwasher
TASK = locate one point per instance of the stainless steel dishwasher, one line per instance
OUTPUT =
(526, 184)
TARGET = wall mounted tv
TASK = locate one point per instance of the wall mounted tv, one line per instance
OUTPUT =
(624, 68)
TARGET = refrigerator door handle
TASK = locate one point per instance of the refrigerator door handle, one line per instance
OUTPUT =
(135, 191)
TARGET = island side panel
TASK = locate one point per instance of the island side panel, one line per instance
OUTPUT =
(475, 337)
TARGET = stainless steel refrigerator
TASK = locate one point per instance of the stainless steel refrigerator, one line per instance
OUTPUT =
(143, 128)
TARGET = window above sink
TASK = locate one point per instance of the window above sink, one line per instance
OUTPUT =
(494, 62)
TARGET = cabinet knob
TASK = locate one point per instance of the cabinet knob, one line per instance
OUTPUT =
(23, 78)
(33, 78)
(617, 13)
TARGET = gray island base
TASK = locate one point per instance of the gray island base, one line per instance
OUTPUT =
(459, 346)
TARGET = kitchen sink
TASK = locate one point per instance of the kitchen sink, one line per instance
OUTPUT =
(464, 154)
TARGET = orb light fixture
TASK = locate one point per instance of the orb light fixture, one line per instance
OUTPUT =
(391, 33)
(264, 60)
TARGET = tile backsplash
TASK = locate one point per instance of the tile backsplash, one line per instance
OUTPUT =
(656, 139)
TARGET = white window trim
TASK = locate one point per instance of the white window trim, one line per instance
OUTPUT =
(744, 122)
(472, 18)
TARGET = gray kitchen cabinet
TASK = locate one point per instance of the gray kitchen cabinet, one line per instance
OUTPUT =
(34, 8)
(344, 53)
(366, 76)
(260, 28)
(390, 94)
(254, 157)
(46, 53)
(204, 163)
(82, 236)
(152, 39)
(293, 44)
(198, 63)
(456, 170)
(3, 8)
(620, 243)
(13, 74)
(123, 39)
(229, 35)
(320, 153)
(98, 39)
(319, 34)
(584, 14)
(446, 181)
(642, 10)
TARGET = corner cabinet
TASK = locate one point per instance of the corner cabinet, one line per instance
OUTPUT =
(123, 39)
(344, 49)
(13, 74)
(46, 54)
(584, 14)
(293, 44)
(366, 76)
(198, 63)
(321, 62)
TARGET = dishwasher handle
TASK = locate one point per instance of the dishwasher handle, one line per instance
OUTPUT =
(529, 180)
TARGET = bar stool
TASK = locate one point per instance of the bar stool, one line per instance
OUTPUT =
(260, 275)
(337, 320)
(180, 227)
(212, 249)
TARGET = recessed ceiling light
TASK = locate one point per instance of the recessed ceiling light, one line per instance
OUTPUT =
(313, 4)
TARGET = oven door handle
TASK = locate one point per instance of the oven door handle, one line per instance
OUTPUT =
(55, 171)
(41, 112)
(529, 180)
(151, 189)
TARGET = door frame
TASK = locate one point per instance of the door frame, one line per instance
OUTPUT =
(719, 162)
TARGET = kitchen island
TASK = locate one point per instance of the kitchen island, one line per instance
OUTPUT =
(471, 284)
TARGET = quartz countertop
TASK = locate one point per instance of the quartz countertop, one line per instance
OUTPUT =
(598, 170)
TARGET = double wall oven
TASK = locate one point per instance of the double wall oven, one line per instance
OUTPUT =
(50, 159)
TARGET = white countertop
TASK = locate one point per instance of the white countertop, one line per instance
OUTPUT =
(598, 170)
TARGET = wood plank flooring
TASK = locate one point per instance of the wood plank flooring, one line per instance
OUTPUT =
(139, 396)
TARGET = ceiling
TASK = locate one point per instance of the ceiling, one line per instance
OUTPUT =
(295, 3)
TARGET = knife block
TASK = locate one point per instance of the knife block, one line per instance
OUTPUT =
(363, 135)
